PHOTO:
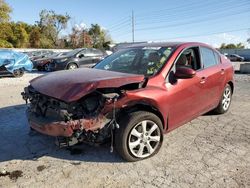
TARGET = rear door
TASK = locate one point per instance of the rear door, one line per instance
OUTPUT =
(90, 57)
(213, 73)
(85, 58)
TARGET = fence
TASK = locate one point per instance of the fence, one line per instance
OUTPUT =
(242, 52)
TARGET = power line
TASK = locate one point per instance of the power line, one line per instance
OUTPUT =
(187, 8)
(123, 22)
(172, 18)
(120, 24)
(114, 24)
(184, 6)
(201, 20)
(200, 35)
(121, 28)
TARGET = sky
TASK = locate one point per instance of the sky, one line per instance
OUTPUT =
(213, 22)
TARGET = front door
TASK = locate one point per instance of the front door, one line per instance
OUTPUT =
(185, 95)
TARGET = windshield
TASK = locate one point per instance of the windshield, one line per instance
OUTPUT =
(146, 61)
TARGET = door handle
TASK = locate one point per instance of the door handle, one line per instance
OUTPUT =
(222, 71)
(203, 80)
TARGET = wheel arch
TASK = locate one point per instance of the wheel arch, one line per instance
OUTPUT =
(231, 84)
(145, 107)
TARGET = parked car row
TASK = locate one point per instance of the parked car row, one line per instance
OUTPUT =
(82, 57)
(44, 63)
(33, 55)
(46, 60)
(14, 63)
(235, 57)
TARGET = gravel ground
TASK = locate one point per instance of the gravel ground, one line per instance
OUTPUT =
(210, 151)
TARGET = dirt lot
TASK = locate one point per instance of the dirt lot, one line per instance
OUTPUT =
(211, 151)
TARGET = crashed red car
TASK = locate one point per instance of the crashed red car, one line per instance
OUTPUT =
(132, 97)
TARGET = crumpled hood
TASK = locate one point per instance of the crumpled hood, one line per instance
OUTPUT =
(71, 85)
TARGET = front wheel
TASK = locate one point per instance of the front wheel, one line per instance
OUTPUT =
(139, 137)
(225, 101)
(72, 66)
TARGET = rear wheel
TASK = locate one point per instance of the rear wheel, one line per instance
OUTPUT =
(18, 73)
(225, 101)
(72, 66)
(139, 137)
(47, 67)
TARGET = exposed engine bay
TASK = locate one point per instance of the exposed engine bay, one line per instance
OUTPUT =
(90, 119)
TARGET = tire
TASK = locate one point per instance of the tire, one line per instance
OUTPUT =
(47, 67)
(18, 73)
(39, 68)
(72, 66)
(132, 142)
(225, 100)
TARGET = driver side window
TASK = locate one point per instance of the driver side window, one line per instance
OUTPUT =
(81, 54)
(189, 58)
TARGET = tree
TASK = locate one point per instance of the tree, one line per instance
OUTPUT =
(6, 31)
(99, 36)
(6, 35)
(240, 46)
(232, 46)
(80, 37)
(35, 37)
(5, 11)
(46, 33)
(20, 36)
(28, 27)
(45, 42)
(5, 44)
(52, 24)
(74, 37)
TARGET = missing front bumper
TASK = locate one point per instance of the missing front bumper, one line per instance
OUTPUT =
(66, 129)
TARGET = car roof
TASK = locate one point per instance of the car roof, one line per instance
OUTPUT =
(166, 44)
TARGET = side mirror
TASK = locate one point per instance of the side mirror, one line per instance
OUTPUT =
(184, 73)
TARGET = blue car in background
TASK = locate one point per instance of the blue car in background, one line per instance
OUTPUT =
(14, 63)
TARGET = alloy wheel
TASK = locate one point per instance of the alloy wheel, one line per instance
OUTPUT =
(72, 66)
(226, 99)
(18, 73)
(144, 139)
(47, 67)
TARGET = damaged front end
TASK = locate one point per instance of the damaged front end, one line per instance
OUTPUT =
(90, 119)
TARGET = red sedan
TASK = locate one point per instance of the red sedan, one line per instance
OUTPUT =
(132, 97)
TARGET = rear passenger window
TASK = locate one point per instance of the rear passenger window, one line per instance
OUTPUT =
(208, 57)
(96, 52)
(217, 57)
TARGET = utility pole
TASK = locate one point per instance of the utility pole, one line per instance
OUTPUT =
(133, 27)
